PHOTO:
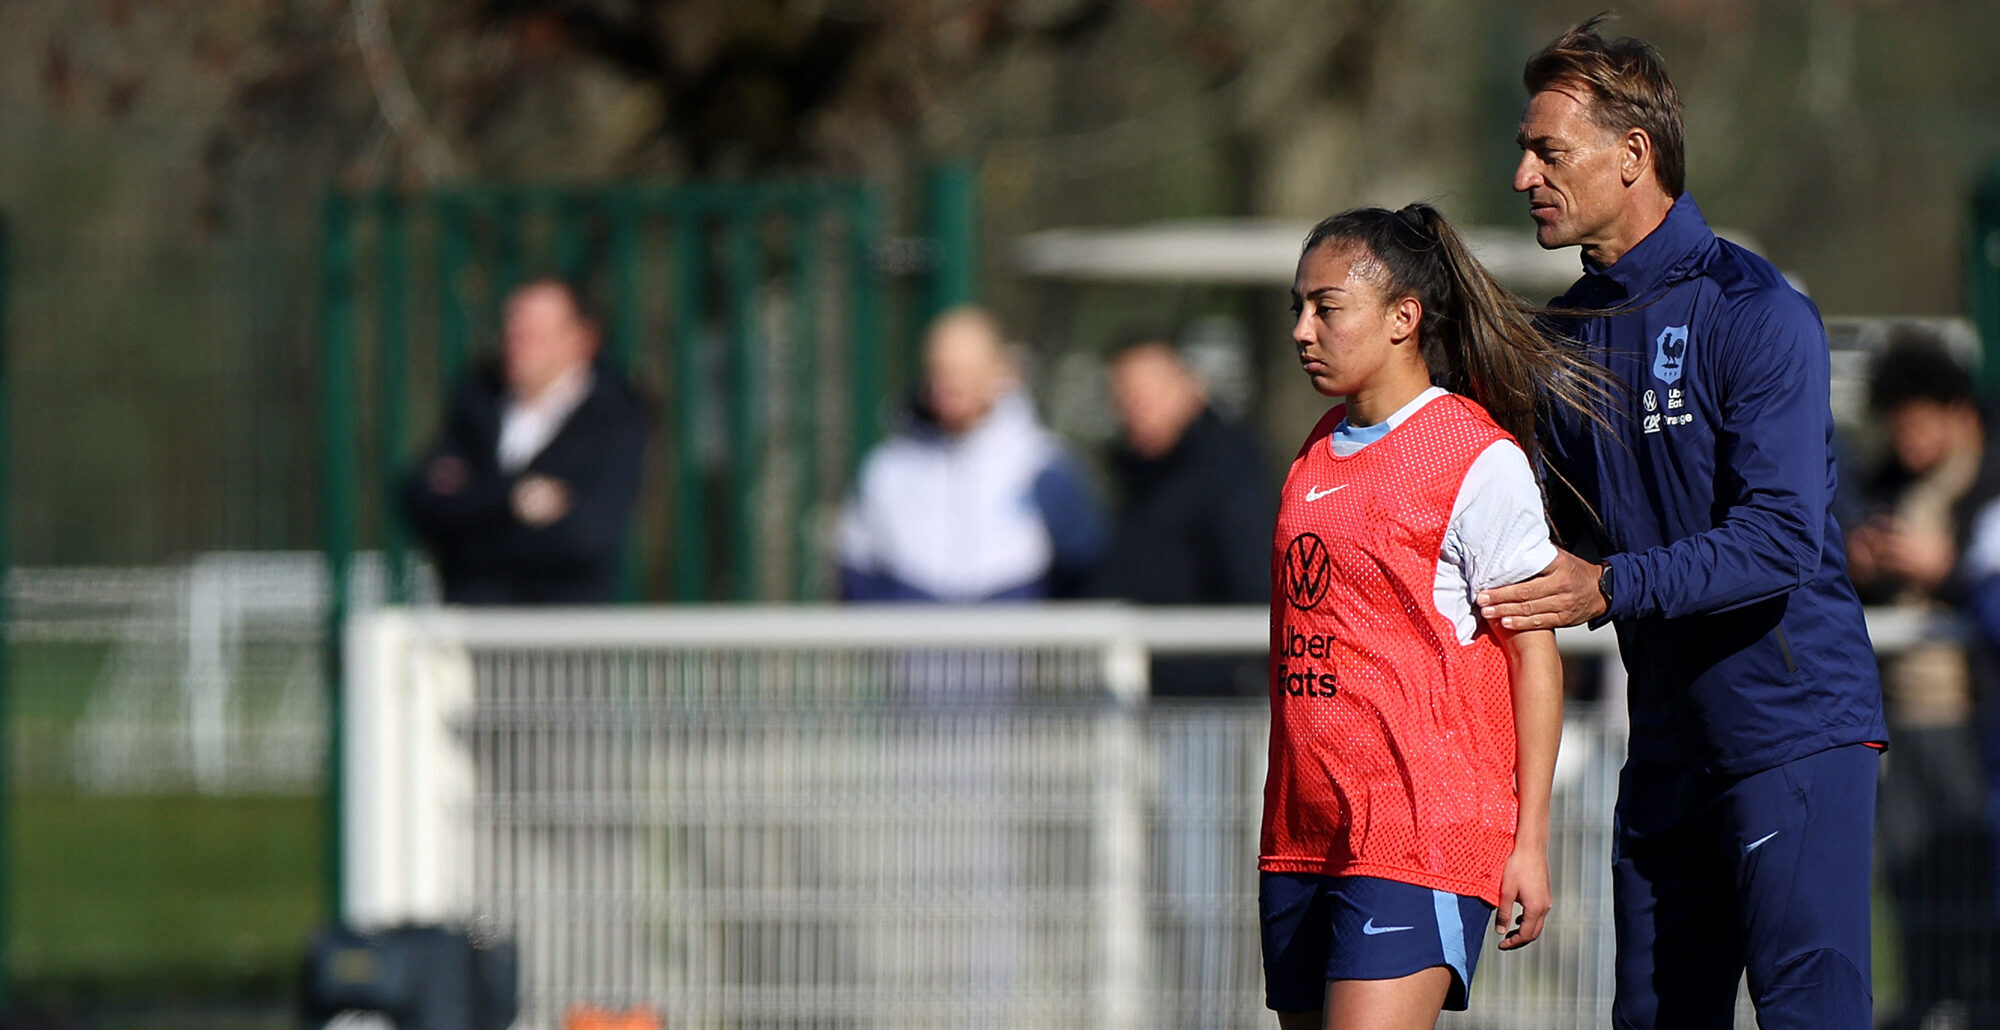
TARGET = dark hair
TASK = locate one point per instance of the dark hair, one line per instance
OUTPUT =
(1477, 339)
(1628, 86)
(1139, 342)
(1139, 338)
(1916, 366)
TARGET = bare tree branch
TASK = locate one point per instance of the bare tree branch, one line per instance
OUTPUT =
(434, 158)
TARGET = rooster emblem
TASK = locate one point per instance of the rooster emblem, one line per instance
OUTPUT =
(1669, 353)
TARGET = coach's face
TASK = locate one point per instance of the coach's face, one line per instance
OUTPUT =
(1572, 170)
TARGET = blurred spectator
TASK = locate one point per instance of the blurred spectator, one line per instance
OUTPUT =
(1917, 512)
(971, 500)
(1195, 513)
(526, 496)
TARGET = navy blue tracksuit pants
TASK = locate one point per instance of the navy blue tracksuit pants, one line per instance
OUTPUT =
(1766, 873)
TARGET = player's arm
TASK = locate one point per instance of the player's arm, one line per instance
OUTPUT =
(1499, 535)
(1535, 669)
(1771, 460)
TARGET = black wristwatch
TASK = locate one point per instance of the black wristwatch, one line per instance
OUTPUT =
(1604, 584)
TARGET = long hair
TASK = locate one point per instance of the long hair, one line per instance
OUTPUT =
(1477, 338)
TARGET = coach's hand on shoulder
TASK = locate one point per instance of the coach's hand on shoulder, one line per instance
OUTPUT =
(1524, 881)
(1564, 594)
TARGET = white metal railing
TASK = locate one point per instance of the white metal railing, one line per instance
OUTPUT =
(879, 816)
(205, 676)
(202, 677)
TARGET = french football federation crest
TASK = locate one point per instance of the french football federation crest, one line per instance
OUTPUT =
(1670, 353)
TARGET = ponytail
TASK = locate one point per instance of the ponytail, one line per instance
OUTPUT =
(1477, 338)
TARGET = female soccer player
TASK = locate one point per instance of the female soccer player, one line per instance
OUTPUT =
(1412, 744)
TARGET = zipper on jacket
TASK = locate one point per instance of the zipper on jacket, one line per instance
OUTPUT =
(1785, 649)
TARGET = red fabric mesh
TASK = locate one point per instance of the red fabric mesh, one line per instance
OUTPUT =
(1392, 745)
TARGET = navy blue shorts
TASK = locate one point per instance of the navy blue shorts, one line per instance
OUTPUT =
(1765, 874)
(1320, 928)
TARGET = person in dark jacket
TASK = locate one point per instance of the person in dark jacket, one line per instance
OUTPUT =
(1745, 814)
(1194, 522)
(527, 494)
(1195, 510)
(1905, 549)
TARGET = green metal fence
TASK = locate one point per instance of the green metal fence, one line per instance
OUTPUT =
(757, 315)
(6, 621)
(752, 313)
(1982, 275)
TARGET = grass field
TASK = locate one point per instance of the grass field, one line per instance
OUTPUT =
(133, 908)
(161, 898)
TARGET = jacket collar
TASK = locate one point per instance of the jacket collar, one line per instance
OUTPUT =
(1013, 415)
(1205, 424)
(1664, 256)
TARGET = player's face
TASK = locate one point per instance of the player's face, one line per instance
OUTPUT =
(1344, 329)
(1570, 171)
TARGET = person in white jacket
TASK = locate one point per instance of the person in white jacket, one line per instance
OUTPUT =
(971, 499)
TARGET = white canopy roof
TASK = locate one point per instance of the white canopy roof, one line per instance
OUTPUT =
(1259, 252)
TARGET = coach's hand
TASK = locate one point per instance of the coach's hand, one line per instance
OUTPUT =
(1564, 594)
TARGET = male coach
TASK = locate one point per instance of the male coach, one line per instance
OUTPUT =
(1746, 808)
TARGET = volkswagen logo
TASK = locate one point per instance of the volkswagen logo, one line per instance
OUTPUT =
(1305, 571)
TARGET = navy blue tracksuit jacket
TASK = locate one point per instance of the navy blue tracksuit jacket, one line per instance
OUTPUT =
(1742, 636)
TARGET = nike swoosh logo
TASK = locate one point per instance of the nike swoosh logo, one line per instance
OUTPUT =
(1314, 493)
(1369, 927)
(1759, 842)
